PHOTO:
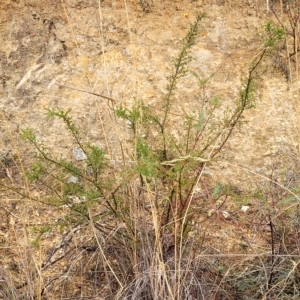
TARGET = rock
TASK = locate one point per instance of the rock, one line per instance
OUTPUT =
(78, 153)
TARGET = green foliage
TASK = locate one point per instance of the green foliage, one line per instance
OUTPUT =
(87, 184)
(130, 115)
(147, 162)
(28, 134)
(181, 65)
(65, 116)
(216, 191)
(40, 232)
(36, 171)
(274, 35)
(138, 114)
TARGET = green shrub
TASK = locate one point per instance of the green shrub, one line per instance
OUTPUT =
(143, 219)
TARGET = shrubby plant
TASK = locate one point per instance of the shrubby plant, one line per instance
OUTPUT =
(146, 216)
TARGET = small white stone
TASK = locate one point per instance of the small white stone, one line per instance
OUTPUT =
(79, 154)
(225, 214)
(245, 208)
(72, 179)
